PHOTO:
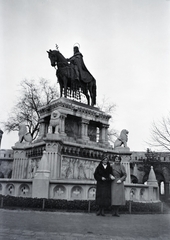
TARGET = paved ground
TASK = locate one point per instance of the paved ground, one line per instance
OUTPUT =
(35, 225)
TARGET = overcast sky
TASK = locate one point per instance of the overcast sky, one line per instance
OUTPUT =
(125, 45)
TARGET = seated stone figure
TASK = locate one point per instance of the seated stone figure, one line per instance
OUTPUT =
(122, 139)
(23, 134)
(54, 122)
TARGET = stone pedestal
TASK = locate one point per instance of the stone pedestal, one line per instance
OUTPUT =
(73, 150)
(77, 122)
(40, 188)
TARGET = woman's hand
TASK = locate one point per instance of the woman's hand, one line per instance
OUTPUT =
(119, 181)
(112, 177)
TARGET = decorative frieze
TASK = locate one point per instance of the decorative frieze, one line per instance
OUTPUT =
(35, 151)
(74, 168)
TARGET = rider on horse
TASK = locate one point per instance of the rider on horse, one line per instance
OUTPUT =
(81, 72)
(68, 73)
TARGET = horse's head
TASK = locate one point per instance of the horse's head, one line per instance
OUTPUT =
(56, 57)
(53, 57)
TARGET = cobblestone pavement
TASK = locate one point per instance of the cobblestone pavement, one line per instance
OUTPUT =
(39, 225)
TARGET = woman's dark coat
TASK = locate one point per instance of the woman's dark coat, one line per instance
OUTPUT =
(103, 189)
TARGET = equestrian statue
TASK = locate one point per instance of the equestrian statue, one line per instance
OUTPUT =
(73, 76)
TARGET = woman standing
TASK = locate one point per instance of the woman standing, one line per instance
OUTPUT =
(117, 186)
(103, 177)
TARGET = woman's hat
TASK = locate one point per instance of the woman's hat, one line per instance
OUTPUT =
(104, 157)
(119, 157)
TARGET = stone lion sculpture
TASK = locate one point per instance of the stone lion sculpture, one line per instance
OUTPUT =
(122, 139)
(54, 122)
(23, 134)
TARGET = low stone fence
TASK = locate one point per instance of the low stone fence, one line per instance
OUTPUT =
(16, 187)
(76, 190)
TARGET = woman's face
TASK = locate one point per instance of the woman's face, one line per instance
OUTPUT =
(117, 161)
(104, 161)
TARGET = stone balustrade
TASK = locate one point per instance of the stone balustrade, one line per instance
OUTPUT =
(80, 190)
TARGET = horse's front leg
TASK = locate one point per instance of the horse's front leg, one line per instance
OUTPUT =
(65, 87)
(92, 101)
(92, 96)
(61, 91)
(88, 99)
(60, 83)
(65, 92)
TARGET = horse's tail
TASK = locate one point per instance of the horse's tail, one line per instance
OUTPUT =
(94, 91)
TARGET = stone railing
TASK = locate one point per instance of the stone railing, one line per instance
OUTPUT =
(16, 188)
(73, 189)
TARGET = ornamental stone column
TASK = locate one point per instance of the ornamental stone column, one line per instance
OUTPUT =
(103, 134)
(62, 126)
(84, 129)
(106, 126)
(126, 163)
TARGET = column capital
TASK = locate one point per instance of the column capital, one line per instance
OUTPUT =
(105, 125)
(85, 121)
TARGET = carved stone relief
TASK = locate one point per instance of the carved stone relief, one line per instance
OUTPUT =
(74, 168)
(59, 192)
(32, 167)
(10, 189)
(24, 190)
(76, 192)
(92, 193)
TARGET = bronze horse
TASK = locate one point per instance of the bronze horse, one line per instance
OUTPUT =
(66, 78)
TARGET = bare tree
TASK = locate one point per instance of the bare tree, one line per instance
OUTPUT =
(106, 106)
(32, 96)
(160, 134)
(109, 108)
